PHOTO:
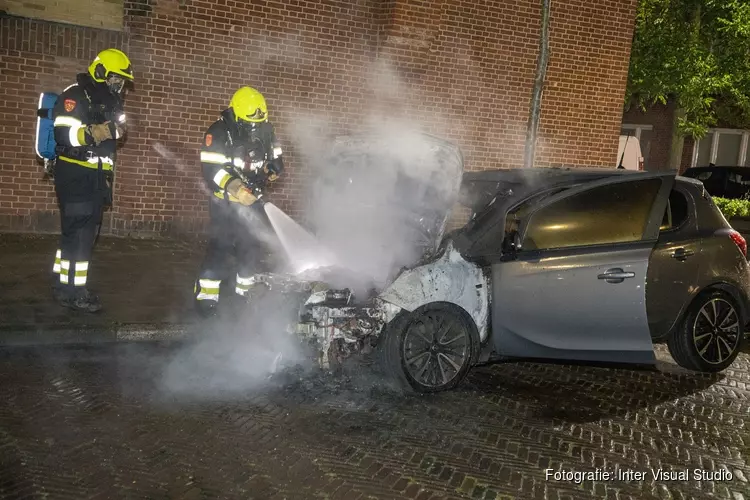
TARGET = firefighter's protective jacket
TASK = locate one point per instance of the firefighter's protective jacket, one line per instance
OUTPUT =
(232, 152)
(85, 103)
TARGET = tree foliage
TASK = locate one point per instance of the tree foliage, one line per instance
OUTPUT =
(696, 52)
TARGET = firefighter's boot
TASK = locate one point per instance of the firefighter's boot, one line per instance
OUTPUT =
(206, 308)
(83, 300)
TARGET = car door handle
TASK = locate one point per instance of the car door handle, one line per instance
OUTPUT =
(682, 254)
(615, 275)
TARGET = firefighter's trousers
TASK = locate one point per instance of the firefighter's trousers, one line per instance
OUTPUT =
(235, 231)
(82, 194)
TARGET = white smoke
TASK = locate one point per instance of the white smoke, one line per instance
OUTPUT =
(364, 214)
(367, 206)
(235, 355)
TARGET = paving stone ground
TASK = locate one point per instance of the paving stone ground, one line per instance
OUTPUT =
(138, 281)
(197, 421)
(108, 422)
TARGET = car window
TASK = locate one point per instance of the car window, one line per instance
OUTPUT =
(738, 185)
(522, 210)
(743, 179)
(609, 214)
(676, 213)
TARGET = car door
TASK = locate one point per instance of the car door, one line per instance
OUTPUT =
(576, 287)
(673, 270)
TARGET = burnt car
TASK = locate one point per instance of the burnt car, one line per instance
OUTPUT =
(585, 265)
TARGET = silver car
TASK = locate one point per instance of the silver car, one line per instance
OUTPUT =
(592, 265)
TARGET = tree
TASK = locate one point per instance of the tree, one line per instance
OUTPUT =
(696, 53)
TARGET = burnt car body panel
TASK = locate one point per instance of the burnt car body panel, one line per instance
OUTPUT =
(597, 300)
(448, 278)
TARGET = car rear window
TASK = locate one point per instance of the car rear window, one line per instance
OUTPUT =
(676, 213)
(604, 215)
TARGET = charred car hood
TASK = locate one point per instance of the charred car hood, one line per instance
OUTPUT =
(426, 172)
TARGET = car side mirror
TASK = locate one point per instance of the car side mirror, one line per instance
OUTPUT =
(516, 241)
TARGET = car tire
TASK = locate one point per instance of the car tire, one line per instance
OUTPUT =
(700, 345)
(420, 336)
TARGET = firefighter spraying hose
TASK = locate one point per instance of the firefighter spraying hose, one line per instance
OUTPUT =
(240, 155)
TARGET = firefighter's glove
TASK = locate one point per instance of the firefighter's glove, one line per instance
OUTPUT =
(246, 196)
(101, 132)
(273, 169)
(242, 193)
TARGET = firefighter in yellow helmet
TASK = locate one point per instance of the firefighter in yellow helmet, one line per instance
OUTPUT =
(88, 120)
(239, 154)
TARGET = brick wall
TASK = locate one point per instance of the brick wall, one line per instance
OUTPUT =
(34, 57)
(661, 117)
(588, 69)
(461, 69)
(104, 14)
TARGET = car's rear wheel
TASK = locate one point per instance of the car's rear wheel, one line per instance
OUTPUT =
(711, 334)
(429, 349)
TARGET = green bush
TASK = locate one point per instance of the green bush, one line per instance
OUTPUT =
(733, 208)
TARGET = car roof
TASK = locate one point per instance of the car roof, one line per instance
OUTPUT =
(688, 180)
(558, 174)
(527, 175)
(479, 188)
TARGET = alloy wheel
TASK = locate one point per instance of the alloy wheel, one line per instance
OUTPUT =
(716, 331)
(435, 348)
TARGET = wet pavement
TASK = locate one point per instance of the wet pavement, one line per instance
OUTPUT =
(115, 421)
(142, 283)
(202, 420)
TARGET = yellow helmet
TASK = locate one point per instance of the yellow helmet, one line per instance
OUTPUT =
(249, 105)
(111, 61)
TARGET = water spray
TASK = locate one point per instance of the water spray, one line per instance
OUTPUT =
(303, 250)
